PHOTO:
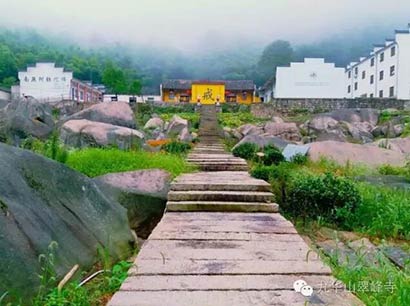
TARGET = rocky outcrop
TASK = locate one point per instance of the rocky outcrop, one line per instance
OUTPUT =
(115, 113)
(343, 152)
(176, 125)
(42, 201)
(263, 141)
(142, 193)
(249, 129)
(284, 130)
(154, 123)
(85, 133)
(401, 145)
(26, 117)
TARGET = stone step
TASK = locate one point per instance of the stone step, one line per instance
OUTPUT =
(221, 186)
(235, 196)
(222, 206)
(224, 167)
(219, 162)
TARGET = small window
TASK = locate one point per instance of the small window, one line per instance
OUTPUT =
(356, 71)
(171, 95)
(382, 57)
(244, 95)
(349, 89)
(381, 94)
(392, 70)
(81, 95)
(349, 74)
(372, 79)
(356, 86)
(372, 62)
(391, 92)
(371, 95)
(363, 75)
(381, 75)
(393, 51)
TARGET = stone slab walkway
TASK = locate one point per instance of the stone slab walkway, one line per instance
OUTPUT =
(221, 242)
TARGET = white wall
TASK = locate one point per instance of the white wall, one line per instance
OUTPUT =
(404, 66)
(45, 82)
(4, 95)
(311, 79)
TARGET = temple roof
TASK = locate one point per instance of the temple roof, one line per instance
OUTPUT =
(229, 84)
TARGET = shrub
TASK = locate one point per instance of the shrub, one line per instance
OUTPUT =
(246, 151)
(177, 147)
(333, 198)
(392, 170)
(272, 156)
(262, 172)
(299, 159)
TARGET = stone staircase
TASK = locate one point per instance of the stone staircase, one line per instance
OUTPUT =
(221, 242)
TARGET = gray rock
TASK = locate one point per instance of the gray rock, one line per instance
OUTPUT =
(26, 117)
(154, 123)
(277, 119)
(115, 113)
(185, 135)
(176, 125)
(142, 193)
(42, 201)
(250, 129)
(285, 130)
(85, 133)
(353, 115)
(263, 141)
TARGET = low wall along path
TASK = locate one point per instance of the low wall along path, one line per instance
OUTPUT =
(222, 242)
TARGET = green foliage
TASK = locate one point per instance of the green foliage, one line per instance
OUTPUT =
(246, 151)
(393, 170)
(193, 118)
(234, 120)
(333, 198)
(177, 147)
(272, 156)
(95, 162)
(51, 148)
(114, 78)
(135, 88)
(262, 172)
(384, 212)
(300, 159)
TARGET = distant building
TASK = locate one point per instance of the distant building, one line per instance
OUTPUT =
(45, 82)
(48, 83)
(312, 78)
(209, 92)
(384, 73)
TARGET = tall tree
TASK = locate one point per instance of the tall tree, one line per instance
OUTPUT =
(135, 88)
(278, 53)
(114, 78)
(8, 64)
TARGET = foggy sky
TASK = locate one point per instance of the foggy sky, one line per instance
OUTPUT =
(193, 24)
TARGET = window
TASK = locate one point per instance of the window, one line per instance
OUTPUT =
(363, 75)
(381, 94)
(382, 57)
(381, 75)
(372, 62)
(392, 70)
(372, 79)
(72, 93)
(356, 71)
(371, 95)
(393, 51)
(244, 95)
(356, 86)
(391, 91)
(81, 95)
(349, 89)
(171, 95)
(349, 74)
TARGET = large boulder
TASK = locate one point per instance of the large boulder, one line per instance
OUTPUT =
(85, 133)
(142, 193)
(154, 123)
(115, 113)
(26, 117)
(263, 141)
(250, 129)
(176, 125)
(42, 201)
(284, 130)
(401, 145)
(354, 115)
(343, 152)
(185, 135)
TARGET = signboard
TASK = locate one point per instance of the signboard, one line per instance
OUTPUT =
(208, 93)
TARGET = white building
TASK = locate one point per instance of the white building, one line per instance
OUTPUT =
(384, 73)
(311, 79)
(5, 93)
(45, 82)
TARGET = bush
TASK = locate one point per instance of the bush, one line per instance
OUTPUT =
(262, 172)
(176, 147)
(51, 148)
(299, 159)
(272, 156)
(246, 151)
(392, 170)
(333, 198)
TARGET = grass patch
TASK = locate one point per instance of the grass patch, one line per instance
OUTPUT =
(234, 120)
(95, 162)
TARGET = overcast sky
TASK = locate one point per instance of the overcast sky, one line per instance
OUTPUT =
(189, 24)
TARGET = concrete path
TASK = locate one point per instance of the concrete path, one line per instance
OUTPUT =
(222, 243)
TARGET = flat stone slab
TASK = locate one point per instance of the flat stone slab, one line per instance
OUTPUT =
(222, 206)
(245, 185)
(235, 196)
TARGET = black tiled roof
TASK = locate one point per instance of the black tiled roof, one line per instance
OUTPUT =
(229, 84)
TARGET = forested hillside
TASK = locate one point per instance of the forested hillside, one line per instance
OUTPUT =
(152, 65)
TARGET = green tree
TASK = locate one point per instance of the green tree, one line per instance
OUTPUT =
(114, 78)
(9, 81)
(135, 88)
(278, 53)
(8, 65)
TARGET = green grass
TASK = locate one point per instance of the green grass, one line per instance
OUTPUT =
(95, 162)
(234, 120)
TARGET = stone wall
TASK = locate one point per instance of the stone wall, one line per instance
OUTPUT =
(284, 106)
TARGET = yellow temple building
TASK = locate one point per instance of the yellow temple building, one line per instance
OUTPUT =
(209, 92)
